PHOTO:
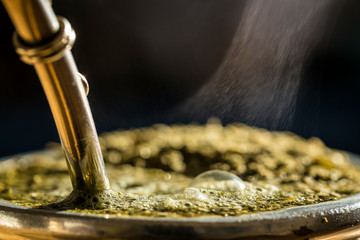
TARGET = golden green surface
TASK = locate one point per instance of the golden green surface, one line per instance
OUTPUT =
(152, 171)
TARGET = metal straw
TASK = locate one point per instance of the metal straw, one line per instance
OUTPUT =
(45, 41)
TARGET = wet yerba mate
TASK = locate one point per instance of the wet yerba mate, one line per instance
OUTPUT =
(189, 170)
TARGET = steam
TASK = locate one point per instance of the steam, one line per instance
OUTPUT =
(259, 78)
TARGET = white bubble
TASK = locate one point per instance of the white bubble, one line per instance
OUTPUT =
(218, 180)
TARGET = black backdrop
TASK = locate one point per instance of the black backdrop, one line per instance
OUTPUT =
(280, 64)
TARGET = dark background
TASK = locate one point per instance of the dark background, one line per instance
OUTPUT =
(279, 64)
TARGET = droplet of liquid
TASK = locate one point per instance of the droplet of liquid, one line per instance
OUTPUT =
(218, 180)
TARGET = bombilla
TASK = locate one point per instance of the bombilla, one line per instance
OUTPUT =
(44, 40)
